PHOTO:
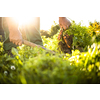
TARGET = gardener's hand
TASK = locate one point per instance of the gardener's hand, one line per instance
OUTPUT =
(15, 37)
(64, 23)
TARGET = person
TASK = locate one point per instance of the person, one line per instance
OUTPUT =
(13, 36)
(1, 31)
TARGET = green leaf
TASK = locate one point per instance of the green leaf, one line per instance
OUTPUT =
(8, 59)
(14, 51)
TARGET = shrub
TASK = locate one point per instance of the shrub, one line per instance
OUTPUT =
(44, 33)
(37, 66)
(54, 29)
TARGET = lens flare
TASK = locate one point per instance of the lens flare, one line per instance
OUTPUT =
(24, 20)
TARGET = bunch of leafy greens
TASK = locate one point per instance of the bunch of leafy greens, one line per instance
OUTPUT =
(82, 37)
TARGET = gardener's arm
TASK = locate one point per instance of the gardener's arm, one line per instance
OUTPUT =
(64, 23)
(15, 35)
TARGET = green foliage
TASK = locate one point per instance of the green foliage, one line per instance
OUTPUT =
(95, 31)
(44, 33)
(51, 43)
(54, 29)
(81, 34)
(37, 66)
(88, 62)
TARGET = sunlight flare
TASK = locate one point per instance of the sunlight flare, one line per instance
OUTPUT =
(24, 20)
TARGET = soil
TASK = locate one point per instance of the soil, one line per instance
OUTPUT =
(65, 45)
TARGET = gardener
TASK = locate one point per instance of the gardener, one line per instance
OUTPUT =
(13, 36)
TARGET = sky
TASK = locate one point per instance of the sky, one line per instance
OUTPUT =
(46, 22)
(77, 10)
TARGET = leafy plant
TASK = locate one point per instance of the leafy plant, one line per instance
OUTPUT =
(54, 29)
(44, 33)
(95, 31)
(81, 38)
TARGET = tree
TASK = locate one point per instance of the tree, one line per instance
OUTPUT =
(54, 29)
(44, 33)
